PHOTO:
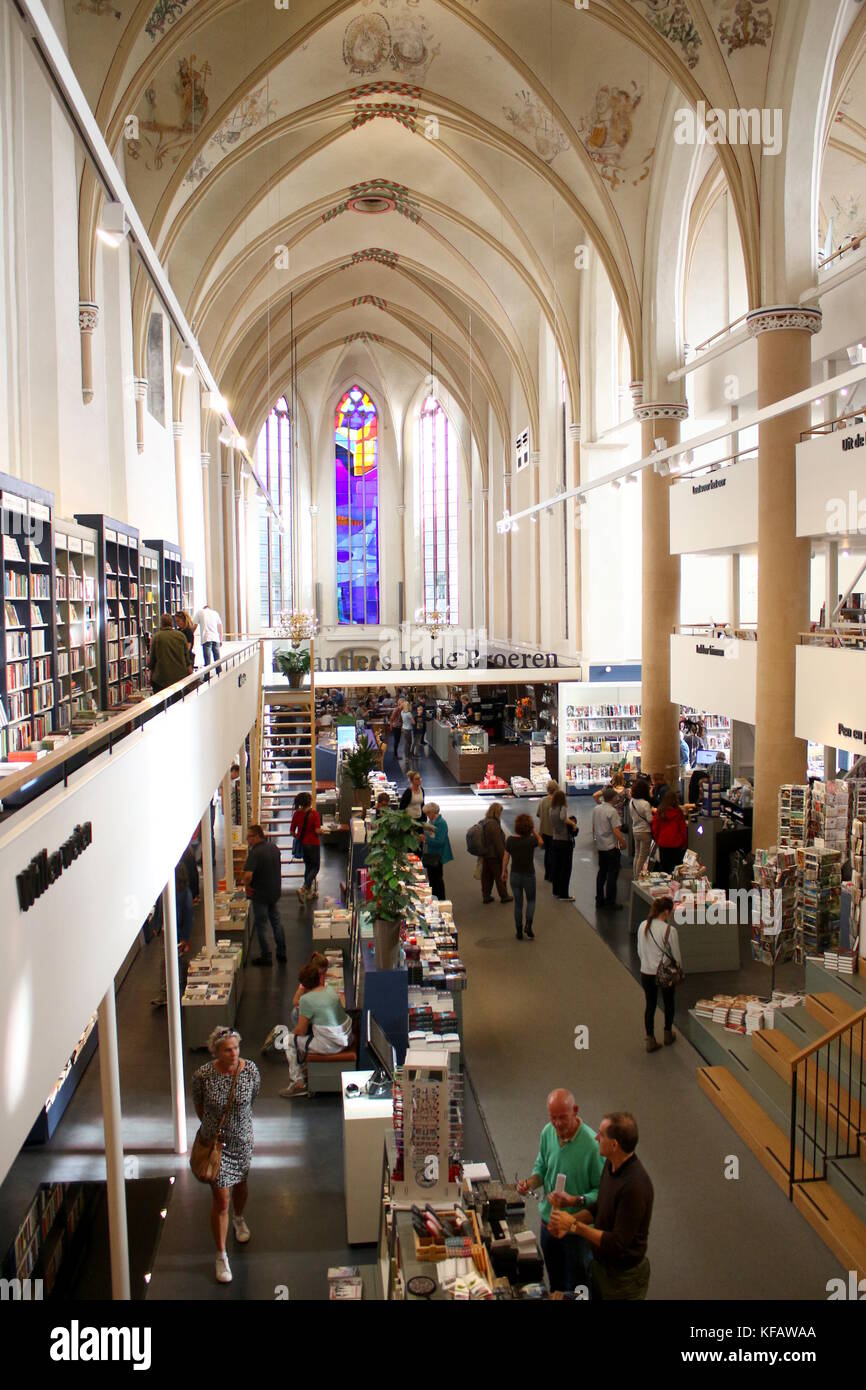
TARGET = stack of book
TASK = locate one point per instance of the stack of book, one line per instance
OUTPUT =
(711, 798)
(794, 802)
(345, 1283)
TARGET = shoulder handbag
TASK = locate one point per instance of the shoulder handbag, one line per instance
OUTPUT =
(298, 841)
(669, 973)
(207, 1154)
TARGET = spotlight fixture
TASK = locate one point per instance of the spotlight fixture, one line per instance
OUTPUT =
(514, 526)
(660, 443)
(616, 484)
(212, 400)
(632, 478)
(534, 519)
(113, 226)
(186, 362)
(241, 443)
(225, 435)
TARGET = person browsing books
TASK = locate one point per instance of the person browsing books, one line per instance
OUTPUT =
(168, 660)
(670, 832)
(263, 877)
(436, 851)
(658, 940)
(609, 842)
(640, 812)
(322, 1021)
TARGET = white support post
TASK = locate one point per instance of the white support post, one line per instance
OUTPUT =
(243, 764)
(831, 587)
(109, 1085)
(227, 830)
(207, 881)
(175, 1037)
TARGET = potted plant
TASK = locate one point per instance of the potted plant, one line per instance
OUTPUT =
(393, 838)
(293, 664)
(357, 766)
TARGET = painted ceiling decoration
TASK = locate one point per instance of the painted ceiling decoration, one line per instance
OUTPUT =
(171, 121)
(607, 131)
(536, 125)
(376, 254)
(388, 110)
(401, 40)
(162, 16)
(743, 24)
(377, 196)
(363, 337)
(373, 299)
(673, 20)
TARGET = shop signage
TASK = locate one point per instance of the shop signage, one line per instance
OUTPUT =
(45, 869)
(454, 649)
(715, 512)
(703, 650)
(830, 491)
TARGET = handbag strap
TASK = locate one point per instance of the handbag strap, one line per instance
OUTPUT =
(664, 946)
(229, 1101)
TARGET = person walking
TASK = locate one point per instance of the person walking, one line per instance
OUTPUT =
(641, 814)
(412, 799)
(610, 842)
(567, 1148)
(407, 720)
(564, 831)
(520, 853)
(210, 631)
(167, 660)
(546, 829)
(616, 1223)
(263, 877)
(305, 826)
(437, 849)
(658, 944)
(395, 726)
(670, 832)
(223, 1093)
(494, 853)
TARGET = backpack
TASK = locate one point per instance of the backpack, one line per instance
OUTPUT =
(475, 840)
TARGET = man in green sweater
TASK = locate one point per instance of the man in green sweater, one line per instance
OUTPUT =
(568, 1168)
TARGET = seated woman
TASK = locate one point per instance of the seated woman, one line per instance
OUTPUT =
(322, 1022)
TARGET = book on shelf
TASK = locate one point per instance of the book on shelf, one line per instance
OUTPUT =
(11, 550)
(12, 619)
(37, 617)
(16, 585)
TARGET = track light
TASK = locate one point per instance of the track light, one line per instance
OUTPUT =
(212, 400)
(113, 226)
(186, 361)
(632, 478)
(225, 435)
(241, 444)
(616, 484)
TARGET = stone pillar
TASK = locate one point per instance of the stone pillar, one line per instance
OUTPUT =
(139, 387)
(205, 506)
(239, 543)
(784, 367)
(831, 591)
(485, 554)
(88, 318)
(227, 500)
(660, 743)
(177, 432)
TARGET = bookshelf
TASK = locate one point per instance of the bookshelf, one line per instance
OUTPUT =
(148, 594)
(51, 1239)
(170, 574)
(27, 630)
(76, 619)
(187, 580)
(119, 611)
(717, 728)
(599, 730)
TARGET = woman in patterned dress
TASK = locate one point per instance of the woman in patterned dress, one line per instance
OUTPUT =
(211, 1085)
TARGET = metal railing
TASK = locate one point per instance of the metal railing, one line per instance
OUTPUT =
(851, 635)
(720, 333)
(719, 632)
(828, 1097)
(56, 767)
(830, 426)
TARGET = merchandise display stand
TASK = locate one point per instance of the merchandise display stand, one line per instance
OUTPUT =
(704, 947)
(366, 1121)
(599, 731)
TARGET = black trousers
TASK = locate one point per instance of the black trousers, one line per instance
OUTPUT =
(670, 858)
(562, 852)
(436, 879)
(548, 858)
(608, 873)
(398, 734)
(651, 994)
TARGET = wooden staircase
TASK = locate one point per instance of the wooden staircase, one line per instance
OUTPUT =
(807, 1075)
(287, 768)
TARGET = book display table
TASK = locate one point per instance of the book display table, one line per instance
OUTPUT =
(705, 947)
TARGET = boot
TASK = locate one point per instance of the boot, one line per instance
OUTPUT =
(670, 1037)
(651, 1044)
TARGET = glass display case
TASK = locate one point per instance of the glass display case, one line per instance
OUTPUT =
(469, 739)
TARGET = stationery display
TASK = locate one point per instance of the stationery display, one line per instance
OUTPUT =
(774, 914)
(794, 812)
(828, 821)
(819, 901)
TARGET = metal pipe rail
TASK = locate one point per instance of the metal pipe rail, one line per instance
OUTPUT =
(830, 426)
(719, 631)
(831, 1099)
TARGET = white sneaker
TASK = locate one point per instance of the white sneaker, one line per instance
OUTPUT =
(223, 1273)
(242, 1230)
(297, 1088)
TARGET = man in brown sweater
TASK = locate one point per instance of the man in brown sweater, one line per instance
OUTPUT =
(168, 660)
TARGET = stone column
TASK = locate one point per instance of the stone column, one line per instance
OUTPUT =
(660, 743)
(535, 554)
(88, 318)
(177, 432)
(139, 387)
(784, 367)
(239, 543)
(205, 505)
(485, 554)
(227, 494)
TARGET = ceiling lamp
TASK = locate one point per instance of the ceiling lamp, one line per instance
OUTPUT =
(432, 620)
(186, 362)
(298, 625)
(241, 444)
(113, 226)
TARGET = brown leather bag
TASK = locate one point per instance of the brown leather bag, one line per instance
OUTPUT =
(206, 1155)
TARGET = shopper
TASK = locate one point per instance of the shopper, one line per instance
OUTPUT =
(659, 788)
(520, 853)
(167, 661)
(407, 720)
(616, 1223)
(412, 799)
(223, 1092)
(658, 944)
(322, 1020)
(437, 851)
(383, 804)
(263, 877)
(699, 776)
(609, 842)
(641, 814)
(184, 915)
(567, 1146)
(564, 831)
(210, 631)
(670, 832)
(620, 793)
(395, 726)
(305, 826)
(184, 624)
(685, 753)
(419, 727)
(720, 771)
(546, 829)
(493, 856)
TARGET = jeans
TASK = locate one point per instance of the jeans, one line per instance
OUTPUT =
(398, 734)
(651, 991)
(562, 853)
(670, 858)
(641, 854)
(548, 858)
(262, 914)
(520, 884)
(566, 1260)
(210, 652)
(608, 873)
(312, 859)
(491, 873)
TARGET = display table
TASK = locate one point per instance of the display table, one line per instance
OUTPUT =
(199, 1020)
(704, 947)
(714, 845)
(365, 1124)
(509, 759)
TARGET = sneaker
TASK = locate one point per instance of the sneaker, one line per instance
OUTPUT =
(223, 1273)
(506, 900)
(262, 960)
(159, 1003)
(530, 934)
(241, 1229)
(670, 1037)
(297, 1088)
(270, 1039)
(652, 1045)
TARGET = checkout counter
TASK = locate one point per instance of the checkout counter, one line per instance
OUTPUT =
(466, 750)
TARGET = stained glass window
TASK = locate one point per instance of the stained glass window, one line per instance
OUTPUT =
(356, 449)
(439, 520)
(274, 466)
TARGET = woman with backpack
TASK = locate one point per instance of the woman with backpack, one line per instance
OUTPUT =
(661, 968)
(488, 843)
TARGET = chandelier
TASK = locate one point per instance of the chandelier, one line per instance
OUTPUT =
(299, 625)
(432, 620)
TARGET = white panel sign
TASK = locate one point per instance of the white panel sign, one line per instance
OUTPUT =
(716, 512)
(831, 697)
(718, 675)
(831, 484)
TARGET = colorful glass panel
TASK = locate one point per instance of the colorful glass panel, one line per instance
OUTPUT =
(356, 450)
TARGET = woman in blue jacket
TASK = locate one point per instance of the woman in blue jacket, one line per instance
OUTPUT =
(437, 849)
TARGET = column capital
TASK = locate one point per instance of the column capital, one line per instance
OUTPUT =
(636, 389)
(574, 433)
(778, 317)
(535, 458)
(139, 388)
(88, 315)
(177, 429)
(661, 410)
(401, 509)
(485, 493)
(205, 461)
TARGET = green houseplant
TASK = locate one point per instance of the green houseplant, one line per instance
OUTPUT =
(393, 838)
(356, 767)
(293, 664)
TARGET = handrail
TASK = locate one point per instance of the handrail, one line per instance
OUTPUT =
(829, 426)
(119, 724)
(853, 245)
(828, 1037)
(719, 631)
(720, 333)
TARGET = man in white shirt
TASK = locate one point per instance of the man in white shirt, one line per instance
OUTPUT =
(609, 841)
(210, 627)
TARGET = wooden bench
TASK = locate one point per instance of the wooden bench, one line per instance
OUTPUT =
(324, 1069)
